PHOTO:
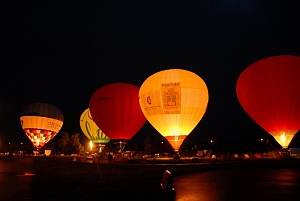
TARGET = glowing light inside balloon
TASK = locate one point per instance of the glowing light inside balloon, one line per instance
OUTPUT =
(284, 137)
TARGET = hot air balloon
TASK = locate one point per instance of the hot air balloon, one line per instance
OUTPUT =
(41, 122)
(115, 109)
(269, 91)
(91, 130)
(174, 101)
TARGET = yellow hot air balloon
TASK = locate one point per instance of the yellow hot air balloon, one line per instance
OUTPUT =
(174, 101)
(91, 130)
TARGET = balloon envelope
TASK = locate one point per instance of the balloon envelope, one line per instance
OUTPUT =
(41, 122)
(174, 101)
(90, 128)
(269, 91)
(115, 109)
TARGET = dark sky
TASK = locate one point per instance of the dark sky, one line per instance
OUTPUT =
(61, 52)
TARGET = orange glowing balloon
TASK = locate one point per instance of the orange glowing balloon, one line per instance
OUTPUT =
(174, 101)
(41, 122)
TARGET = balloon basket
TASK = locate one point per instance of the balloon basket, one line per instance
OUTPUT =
(119, 145)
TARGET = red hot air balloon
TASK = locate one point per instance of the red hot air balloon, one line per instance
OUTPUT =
(115, 109)
(269, 91)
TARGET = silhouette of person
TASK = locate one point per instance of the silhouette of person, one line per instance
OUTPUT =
(110, 158)
(10, 155)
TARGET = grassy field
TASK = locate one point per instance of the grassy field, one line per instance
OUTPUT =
(60, 178)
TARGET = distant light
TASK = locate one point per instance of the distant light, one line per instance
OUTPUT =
(28, 174)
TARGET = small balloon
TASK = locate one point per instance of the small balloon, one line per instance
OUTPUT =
(41, 122)
(90, 128)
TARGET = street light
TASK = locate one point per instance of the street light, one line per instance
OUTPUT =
(211, 143)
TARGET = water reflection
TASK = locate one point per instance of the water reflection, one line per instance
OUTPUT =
(239, 184)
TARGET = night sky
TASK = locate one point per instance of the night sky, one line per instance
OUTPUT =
(61, 52)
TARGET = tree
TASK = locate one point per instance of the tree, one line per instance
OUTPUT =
(63, 142)
(75, 145)
(153, 145)
(147, 143)
(70, 145)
